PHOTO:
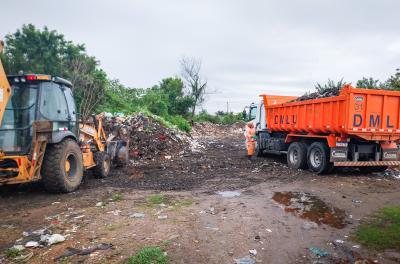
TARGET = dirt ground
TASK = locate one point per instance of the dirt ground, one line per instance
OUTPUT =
(264, 205)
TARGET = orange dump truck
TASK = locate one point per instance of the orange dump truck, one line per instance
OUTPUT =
(360, 127)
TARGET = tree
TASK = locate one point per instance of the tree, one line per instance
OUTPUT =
(168, 97)
(330, 88)
(190, 68)
(89, 86)
(394, 81)
(46, 51)
(368, 83)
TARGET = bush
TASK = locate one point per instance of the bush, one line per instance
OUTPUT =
(180, 122)
(219, 118)
(148, 255)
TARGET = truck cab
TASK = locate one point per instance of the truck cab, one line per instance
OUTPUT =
(256, 113)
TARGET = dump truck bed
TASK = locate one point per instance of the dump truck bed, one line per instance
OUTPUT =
(365, 113)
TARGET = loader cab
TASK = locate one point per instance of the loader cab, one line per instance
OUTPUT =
(36, 97)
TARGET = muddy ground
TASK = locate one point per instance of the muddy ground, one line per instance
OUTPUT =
(275, 210)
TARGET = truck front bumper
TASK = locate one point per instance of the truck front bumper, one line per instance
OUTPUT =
(366, 163)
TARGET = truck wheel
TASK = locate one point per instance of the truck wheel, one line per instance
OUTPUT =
(103, 164)
(297, 155)
(318, 158)
(62, 169)
(259, 151)
(372, 169)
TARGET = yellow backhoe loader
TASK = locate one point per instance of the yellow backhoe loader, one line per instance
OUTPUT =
(41, 137)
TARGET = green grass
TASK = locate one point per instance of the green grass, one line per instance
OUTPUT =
(156, 199)
(116, 197)
(184, 202)
(148, 255)
(12, 253)
(382, 231)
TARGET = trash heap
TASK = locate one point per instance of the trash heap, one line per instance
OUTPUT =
(148, 138)
(320, 93)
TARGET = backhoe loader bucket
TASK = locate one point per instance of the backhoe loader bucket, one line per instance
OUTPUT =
(118, 151)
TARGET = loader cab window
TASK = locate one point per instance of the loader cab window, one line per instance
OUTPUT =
(71, 103)
(20, 112)
(53, 105)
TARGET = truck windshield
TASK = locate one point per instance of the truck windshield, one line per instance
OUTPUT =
(253, 112)
(16, 127)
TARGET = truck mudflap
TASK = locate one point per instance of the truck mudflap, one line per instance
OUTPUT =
(366, 163)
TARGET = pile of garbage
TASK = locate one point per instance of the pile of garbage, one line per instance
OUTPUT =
(147, 137)
(329, 89)
(328, 92)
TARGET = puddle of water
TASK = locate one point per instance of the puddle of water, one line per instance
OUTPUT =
(310, 207)
(229, 194)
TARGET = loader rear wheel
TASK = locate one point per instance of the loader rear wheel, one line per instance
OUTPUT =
(297, 155)
(318, 158)
(103, 164)
(62, 169)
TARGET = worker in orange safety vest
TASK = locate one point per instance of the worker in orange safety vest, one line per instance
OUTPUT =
(250, 134)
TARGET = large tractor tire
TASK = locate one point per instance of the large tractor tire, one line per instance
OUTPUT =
(103, 164)
(318, 158)
(62, 169)
(297, 155)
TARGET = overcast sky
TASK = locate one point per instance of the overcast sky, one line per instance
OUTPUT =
(247, 47)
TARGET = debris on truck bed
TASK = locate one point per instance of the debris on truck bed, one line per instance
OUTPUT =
(329, 89)
(329, 92)
(148, 138)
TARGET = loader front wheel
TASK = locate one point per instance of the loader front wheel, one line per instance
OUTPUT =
(62, 169)
(103, 164)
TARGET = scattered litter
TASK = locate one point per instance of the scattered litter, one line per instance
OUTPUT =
(253, 252)
(257, 237)
(356, 201)
(339, 241)
(229, 194)
(137, 215)
(211, 226)
(8, 226)
(268, 230)
(168, 157)
(19, 247)
(32, 244)
(99, 204)
(52, 239)
(86, 251)
(245, 260)
(211, 210)
(24, 257)
(319, 252)
(162, 217)
(115, 212)
(55, 203)
(309, 225)
(356, 246)
(79, 216)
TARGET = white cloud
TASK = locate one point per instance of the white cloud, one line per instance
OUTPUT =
(247, 47)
